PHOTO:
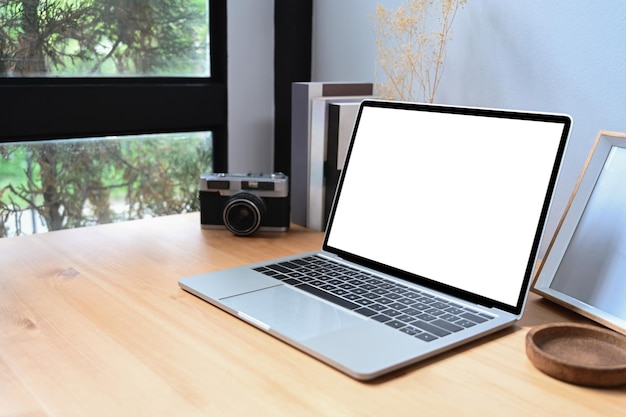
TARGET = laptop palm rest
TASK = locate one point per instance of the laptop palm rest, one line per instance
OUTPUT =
(290, 312)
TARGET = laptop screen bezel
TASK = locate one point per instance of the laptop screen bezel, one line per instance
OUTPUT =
(516, 309)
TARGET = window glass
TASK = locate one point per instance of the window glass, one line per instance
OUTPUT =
(54, 185)
(104, 38)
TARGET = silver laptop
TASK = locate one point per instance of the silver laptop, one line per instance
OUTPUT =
(431, 241)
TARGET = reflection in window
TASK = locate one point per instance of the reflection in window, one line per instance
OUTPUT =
(78, 38)
(57, 185)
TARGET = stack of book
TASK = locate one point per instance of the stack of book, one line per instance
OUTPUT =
(322, 119)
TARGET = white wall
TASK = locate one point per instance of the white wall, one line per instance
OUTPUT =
(250, 85)
(555, 56)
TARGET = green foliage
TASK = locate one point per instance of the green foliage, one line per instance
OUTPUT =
(106, 37)
(81, 183)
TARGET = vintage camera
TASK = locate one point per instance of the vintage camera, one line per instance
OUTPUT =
(245, 203)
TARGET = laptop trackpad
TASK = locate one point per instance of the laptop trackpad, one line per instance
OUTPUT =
(291, 313)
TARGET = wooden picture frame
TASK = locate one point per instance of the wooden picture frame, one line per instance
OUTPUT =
(584, 268)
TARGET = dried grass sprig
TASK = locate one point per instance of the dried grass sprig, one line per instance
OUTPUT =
(411, 47)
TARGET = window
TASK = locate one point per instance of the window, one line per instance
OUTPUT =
(112, 70)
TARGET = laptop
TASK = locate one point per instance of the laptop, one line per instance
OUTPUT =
(431, 241)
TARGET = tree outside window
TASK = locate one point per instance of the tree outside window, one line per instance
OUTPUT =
(78, 183)
(104, 38)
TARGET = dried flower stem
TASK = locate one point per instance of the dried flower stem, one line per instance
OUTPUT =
(411, 47)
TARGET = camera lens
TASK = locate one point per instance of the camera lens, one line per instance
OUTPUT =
(243, 213)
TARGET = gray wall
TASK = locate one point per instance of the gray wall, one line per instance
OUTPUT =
(556, 56)
(250, 85)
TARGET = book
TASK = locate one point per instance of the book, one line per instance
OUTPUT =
(318, 160)
(302, 95)
(341, 120)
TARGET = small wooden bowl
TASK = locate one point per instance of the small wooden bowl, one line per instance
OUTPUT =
(579, 354)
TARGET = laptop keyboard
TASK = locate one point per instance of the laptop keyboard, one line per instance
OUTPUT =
(414, 312)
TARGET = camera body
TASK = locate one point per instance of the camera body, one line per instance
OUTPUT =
(245, 203)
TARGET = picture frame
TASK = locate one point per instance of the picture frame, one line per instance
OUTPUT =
(584, 268)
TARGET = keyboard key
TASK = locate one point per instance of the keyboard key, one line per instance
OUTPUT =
(289, 265)
(352, 297)
(454, 310)
(410, 330)
(413, 294)
(421, 306)
(426, 317)
(381, 318)
(328, 296)
(447, 325)
(437, 331)
(346, 286)
(280, 269)
(391, 312)
(393, 295)
(473, 317)
(395, 324)
(368, 287)
(449, 317)
(371, 295)
(365, 311)
(404, 318)
(435, 312)
(280, 276)
(427, 337)
(465, 323)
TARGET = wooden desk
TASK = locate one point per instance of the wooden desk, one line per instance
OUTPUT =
(92, 323)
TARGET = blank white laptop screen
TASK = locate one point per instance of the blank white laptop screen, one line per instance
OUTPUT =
(462, 193)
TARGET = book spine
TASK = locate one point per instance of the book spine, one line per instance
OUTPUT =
(302, 95)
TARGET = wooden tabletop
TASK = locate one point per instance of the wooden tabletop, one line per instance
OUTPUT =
(93, 323)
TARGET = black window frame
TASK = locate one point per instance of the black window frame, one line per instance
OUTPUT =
(49, 108)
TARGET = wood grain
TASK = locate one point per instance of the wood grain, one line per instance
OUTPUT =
(92, 323)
